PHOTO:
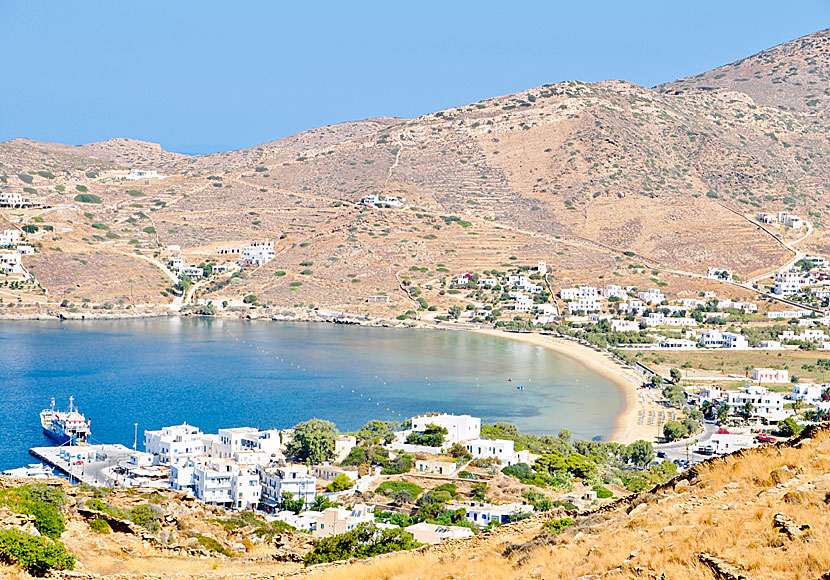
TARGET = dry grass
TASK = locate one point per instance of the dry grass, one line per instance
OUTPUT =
(727, 511)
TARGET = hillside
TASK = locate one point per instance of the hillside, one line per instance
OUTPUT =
(594, 178)
(756, 514)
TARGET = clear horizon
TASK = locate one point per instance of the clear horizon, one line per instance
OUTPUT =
(200, 77)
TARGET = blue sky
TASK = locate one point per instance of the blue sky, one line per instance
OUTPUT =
(206, 76)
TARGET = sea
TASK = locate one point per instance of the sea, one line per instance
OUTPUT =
(129, 375)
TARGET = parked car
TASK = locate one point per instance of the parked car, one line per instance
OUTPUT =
(764, 438)
(661, 454)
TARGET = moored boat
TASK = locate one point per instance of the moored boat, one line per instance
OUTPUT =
(65, 426)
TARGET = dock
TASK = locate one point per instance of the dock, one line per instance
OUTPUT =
(90, 464)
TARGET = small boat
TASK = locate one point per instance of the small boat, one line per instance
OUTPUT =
(33, 470)
(65, 426)
(509, 380)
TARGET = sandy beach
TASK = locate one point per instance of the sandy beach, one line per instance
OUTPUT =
(627, 427)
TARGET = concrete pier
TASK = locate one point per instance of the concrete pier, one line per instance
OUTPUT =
(90, 464)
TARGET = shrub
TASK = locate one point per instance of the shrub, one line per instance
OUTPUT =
(250, 299)
(149, 230)
(25, 177)
(134, 193)
(556, 526)
(279, 273)
(340, 483)
(213, 545)
(82, 188)
(603, 492)
(36, 555)
(387, 488)
(44, 502)
(100, 526)
(362, 542)
(87, 197)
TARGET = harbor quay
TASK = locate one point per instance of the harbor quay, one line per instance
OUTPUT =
(89, 464)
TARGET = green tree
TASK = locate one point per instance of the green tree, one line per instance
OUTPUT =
(674, 430)
(788, 427)
(640, 453)
(340, 483)
(313, 442)
(455, 312)
(676, 375)
(748, 409)
(289, 503)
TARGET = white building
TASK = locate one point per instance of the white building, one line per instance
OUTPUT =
(788, 314)
(614, 290)
(375, 200)
(491, 282)
(717, 339)
(723, 443)
(224, 483)
(482, 513)
(719, 273)
(766, 404)
(11, 199)
(677, 344)
(232, 441)
(175, 445)
(10, 238)
(192, 272)
(258, 254)
(651, 296)
(10, 262)
(787, 283)
(459, 427)
(577, 293)
(136, 174)
(427, 533)
(787, 219)
(808, 393)
(501, 449)
(293, 479)
(541, 267)
(765, 375)
(584, 305)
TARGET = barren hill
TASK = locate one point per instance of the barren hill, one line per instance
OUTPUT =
(592, 178)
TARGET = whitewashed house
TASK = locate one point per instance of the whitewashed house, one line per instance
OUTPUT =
(764, 375)
(767, 405)
(9, 238)
(293, 479)
(483, 513)
(651, 296)
(717, 339)
(459, 427)
(500, 449)
(10, 262)
(787, 283)
(175, 445)
(339, 520)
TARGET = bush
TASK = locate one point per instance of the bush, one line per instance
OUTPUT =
(36, 555)
(362, 542)
(213, 546)
(82, 188)
(340, 483)
(25, 178)
(387, 488)
(100, 526)
(87, 198)
(603, 492)
(44, 502)
(556, 526)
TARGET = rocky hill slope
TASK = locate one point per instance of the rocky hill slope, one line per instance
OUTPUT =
(583, 175)
(754, 514)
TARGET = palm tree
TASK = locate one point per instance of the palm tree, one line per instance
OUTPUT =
(723, 413)
(749, 408)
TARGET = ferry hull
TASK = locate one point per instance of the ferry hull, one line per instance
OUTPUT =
(60, 439)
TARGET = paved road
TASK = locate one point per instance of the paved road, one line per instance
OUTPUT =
(678, 449)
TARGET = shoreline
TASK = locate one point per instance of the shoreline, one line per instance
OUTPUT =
(626, 427)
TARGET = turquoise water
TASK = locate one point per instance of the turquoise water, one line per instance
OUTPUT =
(219, 373)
